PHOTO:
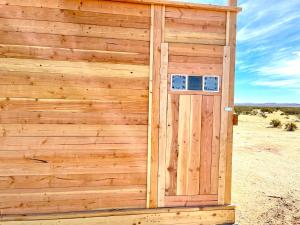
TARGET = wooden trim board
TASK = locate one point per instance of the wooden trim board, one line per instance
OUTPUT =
(154, 104)
(186, 5)
(166, 216)
(163, 123)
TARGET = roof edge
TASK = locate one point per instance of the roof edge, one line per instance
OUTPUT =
(210, 7)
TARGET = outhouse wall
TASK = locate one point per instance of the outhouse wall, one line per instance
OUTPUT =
(88, 118)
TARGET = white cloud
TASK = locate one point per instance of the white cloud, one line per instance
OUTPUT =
(283, 73)
(265, 30)
(284, 68)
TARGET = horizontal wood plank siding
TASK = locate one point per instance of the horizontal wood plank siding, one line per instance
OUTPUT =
(74, 86)
(196, 26)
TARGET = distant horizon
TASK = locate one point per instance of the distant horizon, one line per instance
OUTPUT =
(267, 103)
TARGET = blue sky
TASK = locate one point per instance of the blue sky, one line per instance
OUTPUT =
(268, 51)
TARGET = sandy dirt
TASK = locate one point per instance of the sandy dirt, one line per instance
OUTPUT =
(266, 172)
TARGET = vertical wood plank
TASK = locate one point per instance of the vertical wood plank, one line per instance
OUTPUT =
(163, 22)
(232, 2)
(156, 27)
(149, 156)
(194, 152)
(206, 144)
(224, 126)
(172, 145)
(215, 144)
(183, 143)
(163, 123)
(231, 24)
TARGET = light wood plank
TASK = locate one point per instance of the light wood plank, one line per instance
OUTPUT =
(195, 147)
(231, 33)
(168, 216)
(195, 50)
(30, 52)
(88, 5)
(215, 145)
(190, 13)
(30, 144)
(172, 145)
(35, 168)
(78, 68)
(72, 180)
(77, 199)
(74, 16)
(73, 42)
(47, 27)
(72, 93)
(206, 144)
(183, 144)
(163, 123)
(173, 35)
(71, 130)
(195, 24)
(104, 118)
(195, 68)
(70, 106)
(190, 200)
(149, 161)
(71, 80)
(224, 127)
(157, 29)
(199, 60)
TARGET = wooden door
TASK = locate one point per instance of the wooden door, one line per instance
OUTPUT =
(190, 140)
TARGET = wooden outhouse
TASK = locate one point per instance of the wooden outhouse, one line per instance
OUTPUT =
(116, 112)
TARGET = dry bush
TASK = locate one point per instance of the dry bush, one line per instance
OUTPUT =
(263, 115)
(276, 123)
(291, 127)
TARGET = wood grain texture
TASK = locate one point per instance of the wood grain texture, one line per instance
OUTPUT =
(79, 68)
(193, 177)
(163, 123)
(71, 80)
(88, 5)
(71, 130)
(196, 26)
(73, 42)
(183, 144)
(224, 127)
(157, 34)
(190, 200)
(74, 16)
(77, 198)
(70, 141)
(167, 216)
(85, 30)
(206, 144)
(231, 39)
(30, 52)
(172, 150)
(71, 180)
(215, 145)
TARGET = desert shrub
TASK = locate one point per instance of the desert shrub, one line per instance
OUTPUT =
(254, 112)
(290, 110)
(268, 110)
(287, 117)
(291, 127)
(275, 123)
(263, 115)
(282, 114)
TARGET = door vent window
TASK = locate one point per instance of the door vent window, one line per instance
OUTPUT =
(180, 82)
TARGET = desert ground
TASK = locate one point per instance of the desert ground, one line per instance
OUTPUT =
(266, 171)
